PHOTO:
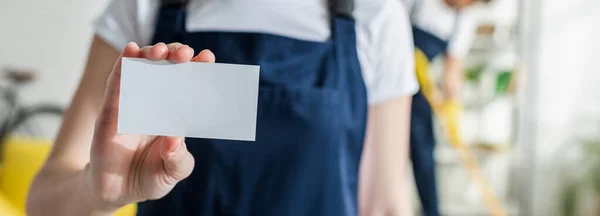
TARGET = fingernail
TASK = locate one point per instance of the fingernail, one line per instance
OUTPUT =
(132, 43)
(174, 152)
(180, 143)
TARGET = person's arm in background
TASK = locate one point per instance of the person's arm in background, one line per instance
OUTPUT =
(383, 178)
(452, 76)
(458, 48)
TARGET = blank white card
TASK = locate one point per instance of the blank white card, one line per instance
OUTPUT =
(192, 99)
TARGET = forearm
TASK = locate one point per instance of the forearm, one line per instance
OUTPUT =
(453, 65)
(452, 77)
(383, 168)
(60, 188)
(60, 191)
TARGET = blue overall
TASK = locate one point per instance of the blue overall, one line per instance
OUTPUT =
(422, 140)
(312, 110)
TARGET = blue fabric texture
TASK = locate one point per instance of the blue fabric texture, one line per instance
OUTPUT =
(430, 44)
(312, 110)
(422, 145)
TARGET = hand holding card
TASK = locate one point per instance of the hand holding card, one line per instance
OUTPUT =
(127, 168)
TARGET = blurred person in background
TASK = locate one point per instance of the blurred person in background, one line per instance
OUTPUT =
(334, 75)
(441, 28)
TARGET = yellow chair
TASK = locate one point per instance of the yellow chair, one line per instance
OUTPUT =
(7, 208)
(21, 159)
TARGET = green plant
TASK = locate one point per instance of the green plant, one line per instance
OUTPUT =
(473, 74)
(593, 155)
(503, 82)
(570, 199)
(590, 179)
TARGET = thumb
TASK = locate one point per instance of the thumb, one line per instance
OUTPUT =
(107, 120)
(177, 160)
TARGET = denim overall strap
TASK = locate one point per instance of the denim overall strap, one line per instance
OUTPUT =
(428, 43)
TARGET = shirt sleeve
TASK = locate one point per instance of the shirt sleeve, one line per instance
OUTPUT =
(392, 55)
(117, 24)
(464, 33)
(409, 6)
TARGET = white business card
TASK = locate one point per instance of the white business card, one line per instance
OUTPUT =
(202, 100)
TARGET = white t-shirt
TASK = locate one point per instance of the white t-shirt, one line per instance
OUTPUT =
(444, 22)
(384, 38)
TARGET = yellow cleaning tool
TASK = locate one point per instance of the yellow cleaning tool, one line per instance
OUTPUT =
(448, 112)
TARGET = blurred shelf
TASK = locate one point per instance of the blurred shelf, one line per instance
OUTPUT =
(488, 43)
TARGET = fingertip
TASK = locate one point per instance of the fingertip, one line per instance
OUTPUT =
(174, 149)
(161, 47)
(131, 50)
(179, 162)
(205, 56)
(187, 51)
(159, 51)
(181, 55)
(171, 146)
(131, 45)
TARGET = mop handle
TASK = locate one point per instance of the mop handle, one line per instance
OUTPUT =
(465, 153)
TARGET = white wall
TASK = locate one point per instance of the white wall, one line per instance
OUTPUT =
(563, 71)
(51, 37)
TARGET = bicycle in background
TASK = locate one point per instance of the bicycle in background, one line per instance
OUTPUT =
(39, 121)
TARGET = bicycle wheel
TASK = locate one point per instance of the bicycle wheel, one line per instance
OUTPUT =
(37, 122)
